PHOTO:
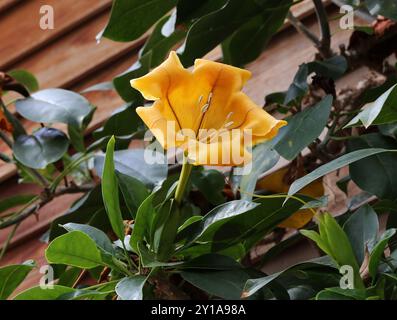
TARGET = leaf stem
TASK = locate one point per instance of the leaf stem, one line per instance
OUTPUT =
(183, 180)
(301, 28)
(325, 42)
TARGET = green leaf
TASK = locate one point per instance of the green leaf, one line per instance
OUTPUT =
(131, 288)
(381, 111)
(250, 227)
(24, 77)
(218, 215)
(14, 201)
(211, 29)
(377, 174)
(210, 183)
(54, 105)
(247, 43)
(39, 293)
(45, 146)
(148, 167)
(386, 8)
(263, 159)
(160, 43)
(12, 276)
(303, 128)
(299, 86)
(133, 191)
(254, 285)
(378, 251)
(211, 261)
(98, 236)
(142, 222)
(85, 210)
(362, 229)
(110, 192)
(123, 121)
(122, 82)
(341, 294)
(103, 86)
(223, 284)
(76, 136)
(149, 259)
(332, 68)
(130, 19)
(75, 249)
(332, 166)
(188, 10)
(335, 243)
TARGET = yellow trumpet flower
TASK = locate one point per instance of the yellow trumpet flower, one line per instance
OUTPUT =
(212, 117)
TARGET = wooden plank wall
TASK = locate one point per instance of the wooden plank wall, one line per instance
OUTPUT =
(69, 57)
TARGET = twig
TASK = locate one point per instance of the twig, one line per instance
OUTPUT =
(301, 28)
(9, 238)
(325, 42)
(45, 198)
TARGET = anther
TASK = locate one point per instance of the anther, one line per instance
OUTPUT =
(205, 108)
(228, 124)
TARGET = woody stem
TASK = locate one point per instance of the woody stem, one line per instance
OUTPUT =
(183, 180)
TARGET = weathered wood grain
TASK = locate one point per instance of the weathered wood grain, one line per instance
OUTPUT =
(21, 30)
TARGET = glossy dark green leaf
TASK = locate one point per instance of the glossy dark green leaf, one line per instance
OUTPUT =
(253, 285)
(130, 19)
(26, 78)
(217, 216)
(149, 258)
(341, 294)
(210, 183)
(98, 236)
(211, 261)
(39, 293)
(122, 82)
(332, 68)
(45, 146)
(110, 192)
(303, 128)
(381, 111)
(332, 166)
(54, 105)
(263, 159)
(211, 29)
(75, 249)
(131, 288)
(250, 227)
(188, 10)
(165, 230)
(12, 276)
(376, 174)
(362, 229)
(142, 223)
(148, 167)
(247, 42)
(223, 284)
(133, 191)
(160, 43)
(378, 251)
(123, 121)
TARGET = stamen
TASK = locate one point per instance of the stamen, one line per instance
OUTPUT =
(229, 115)
(200, 99)
(209, 98)
(205, 108)
(228, 124)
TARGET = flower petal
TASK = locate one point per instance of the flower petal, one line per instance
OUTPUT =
(228, 150)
